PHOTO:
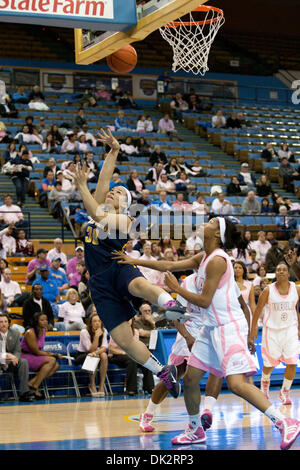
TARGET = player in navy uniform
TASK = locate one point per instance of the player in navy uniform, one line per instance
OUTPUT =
(112, 286)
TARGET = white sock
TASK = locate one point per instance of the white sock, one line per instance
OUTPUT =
(273, 414)
(209, 403)
(151, 408)
(265, 377)
(286, 384)
(153, 364)
(195, 421)
(163, 298)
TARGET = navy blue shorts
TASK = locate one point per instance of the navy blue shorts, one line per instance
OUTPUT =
(109, 292)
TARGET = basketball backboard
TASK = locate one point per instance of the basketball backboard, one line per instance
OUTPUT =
(91, 45)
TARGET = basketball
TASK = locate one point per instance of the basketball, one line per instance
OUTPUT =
(124, 60)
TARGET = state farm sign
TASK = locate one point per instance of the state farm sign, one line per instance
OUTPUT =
(107, 14)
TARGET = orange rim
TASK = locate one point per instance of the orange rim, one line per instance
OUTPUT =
(203, 8)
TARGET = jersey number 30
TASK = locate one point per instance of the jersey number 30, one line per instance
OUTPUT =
(91, 235)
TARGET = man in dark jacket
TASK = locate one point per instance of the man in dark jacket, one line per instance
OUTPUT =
(274, 256)
(38, 303)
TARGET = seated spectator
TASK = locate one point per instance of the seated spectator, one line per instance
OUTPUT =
(56, 197)
(155, 173)
(11, 213)
(199, 206)
(69, 145)
(194, 239)
(260, 274)
(51, 165)
(149, 127)
(102, 93)
(49, 285)
(269, 153)
(89, 98)
(116, 181)
(83, 290)
(246, 178)
(143, 147)
(37, 303)
(29, 123)
(94, 170)
(183, 183)
(197, 169)
(25, 137)
(218, 120)
(245, 286)
(126, 101)
(90, 138)
(135, 184)
(185, 167)
(285, 223)
(10, 153)
(220, 206)
(10, 290)
(36, 93)
(3, 264)
(121, 123)
(69, 172)
(292, 207)
(34, 265)
(66, 183)
(11, 360)
(71, 264)
(284, 152)
(294, 243)
(165, 184)
(180, 204)
(20, 176)
(288, 173)
(277, 202)
(8, 242)
(194, 103)
(165, 243)
(23, 148)
(162, 204)
(50, 146)
(274, 256)
(261, 246)
(250, 205)
(72, 311)
(141, 123)
(7, 108)
(166, 126)
(58, 274)
(155, 250)
(266, 209)
(43, 129)
(117, 94)
(145, 199)
(152, 275)
(93, 342)
(129, 250)
(116, 170)
(57, 137)
(233, 187)
(263, 187)
(178, 105)
(76, 278)
(19, 96)
(128, 148)
(232, 122)
(47, 186)
(241, 122)
(79, 119)
(158, 156)
(43, 362)
(171, 168)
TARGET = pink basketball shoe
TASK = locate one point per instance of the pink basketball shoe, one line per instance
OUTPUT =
(190, 436)
(289, 429)
(265, 386)
(145, 422)
(284, 396)
(206, 419)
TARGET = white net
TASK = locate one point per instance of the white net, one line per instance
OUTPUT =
(191, 40)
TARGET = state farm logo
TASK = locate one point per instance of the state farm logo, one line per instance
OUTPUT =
(82, 8)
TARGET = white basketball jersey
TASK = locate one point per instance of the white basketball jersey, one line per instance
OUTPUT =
(282, 309)
(189, 283)
(225, 306)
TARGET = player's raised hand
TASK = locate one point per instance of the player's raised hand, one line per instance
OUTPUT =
(107, 138)
(81, 174)
(123, 258)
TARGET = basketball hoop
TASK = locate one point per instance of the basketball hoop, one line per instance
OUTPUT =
(191, 40)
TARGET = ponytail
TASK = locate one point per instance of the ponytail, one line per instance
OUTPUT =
(234, 238)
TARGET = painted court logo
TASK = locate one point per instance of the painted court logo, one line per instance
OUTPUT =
(82, 8)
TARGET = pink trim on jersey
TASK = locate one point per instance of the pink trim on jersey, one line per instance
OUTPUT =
(283, 296)
(177, 360)
(215, 314)
(290, 360)
(194, 362)
(237, 349)
(226, 276)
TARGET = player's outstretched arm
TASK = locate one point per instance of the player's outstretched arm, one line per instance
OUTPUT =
(160, 265)
(262, 300)
(107, 169)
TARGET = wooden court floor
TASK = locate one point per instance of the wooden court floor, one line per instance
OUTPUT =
(112, 423)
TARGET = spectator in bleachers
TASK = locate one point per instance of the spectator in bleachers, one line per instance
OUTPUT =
(126, 101)
(58, 138)
(171, 168)
(76, 278)
(56, 197)
(37, 303)
(197, 169)
(11, 361)
(274, 256)
(246, 178)
(8, 109)
(129, 250)
(10, 153)
(220, 205)
(141, 123)
(288, 173)
(194, 103)
(218, 120)
(286, 152)
(93, 342)
(43, 129)
(3, 304)
(83, 290)
(250, 205)
(50, 146)
(269, 153)
(23, 148)
(194, 239)
(72, 311)
(183, 183)
(233, 187)
(277, 202)
(25, 137)
(186, 167)
(50, 288)
(51, 165)
(34, 265)
(135, 184)
(89, 98)
(285, 223)
(19, 96)
(29, 122)
(47, 186)
(71, 264)
(3, 264)
(245, 286)
(265, 208)
(155, 173)
(294, 243)
(163, 203)
(145, 199)
(21, 176)
(292, 207)
(232, 122)
(82, 145)
(165, 184)
(178, 105)
(149, 127)
(263, 187)
(253, 261)
(11, 213)
(36, 93)
(152, 275)
(128, 148)
(94, 170)
(158, 156)
(121, 123)
(10, 290)
(65, 179)
(241, 122)
(270, 236)
(166, 126)
(116, 181)
(261, 273)
(79, 119)
(24, 247)
(90, 138)
(199, 206)
(102, 93)
(59, 275)
(180, 204)
(261, 246)
(32, 344)
(69, 144)
(57, 252)
(143, 147)
(8, 242)
(116, 170)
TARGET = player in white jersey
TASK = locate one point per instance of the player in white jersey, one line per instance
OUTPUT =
(280, 335)
(221, 346)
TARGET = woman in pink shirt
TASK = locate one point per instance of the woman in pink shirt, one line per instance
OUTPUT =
(134, 184)
(93, 342)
